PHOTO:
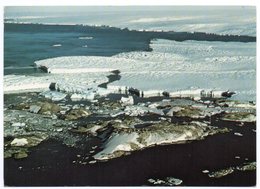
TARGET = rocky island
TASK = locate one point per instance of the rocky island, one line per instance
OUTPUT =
(119, 123)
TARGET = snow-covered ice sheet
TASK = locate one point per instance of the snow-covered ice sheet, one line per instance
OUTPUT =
(78, 64)
(239, 20)
(170, 81)
(188, 56)
(22, 83)
(174, 66)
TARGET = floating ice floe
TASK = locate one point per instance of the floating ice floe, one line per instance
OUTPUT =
(85, 96)
(57, 45)
(86, 37)
(53, 95)
(127, 100)
(205, 171)
(238, 134)
(136, 110)
(76, 97)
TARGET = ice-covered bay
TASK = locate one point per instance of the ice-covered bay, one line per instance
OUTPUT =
(167, 56)
(171, 66)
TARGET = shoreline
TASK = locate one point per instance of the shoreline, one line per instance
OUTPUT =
(157, 162)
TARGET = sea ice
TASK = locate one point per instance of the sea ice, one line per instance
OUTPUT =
(57, 45)
(53, 95)
(127, 100)
(86, 37)
(179, 68)
(70, 82)
(185, 65)
(76, 97)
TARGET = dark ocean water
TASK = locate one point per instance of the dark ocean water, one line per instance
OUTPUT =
(26, 43)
